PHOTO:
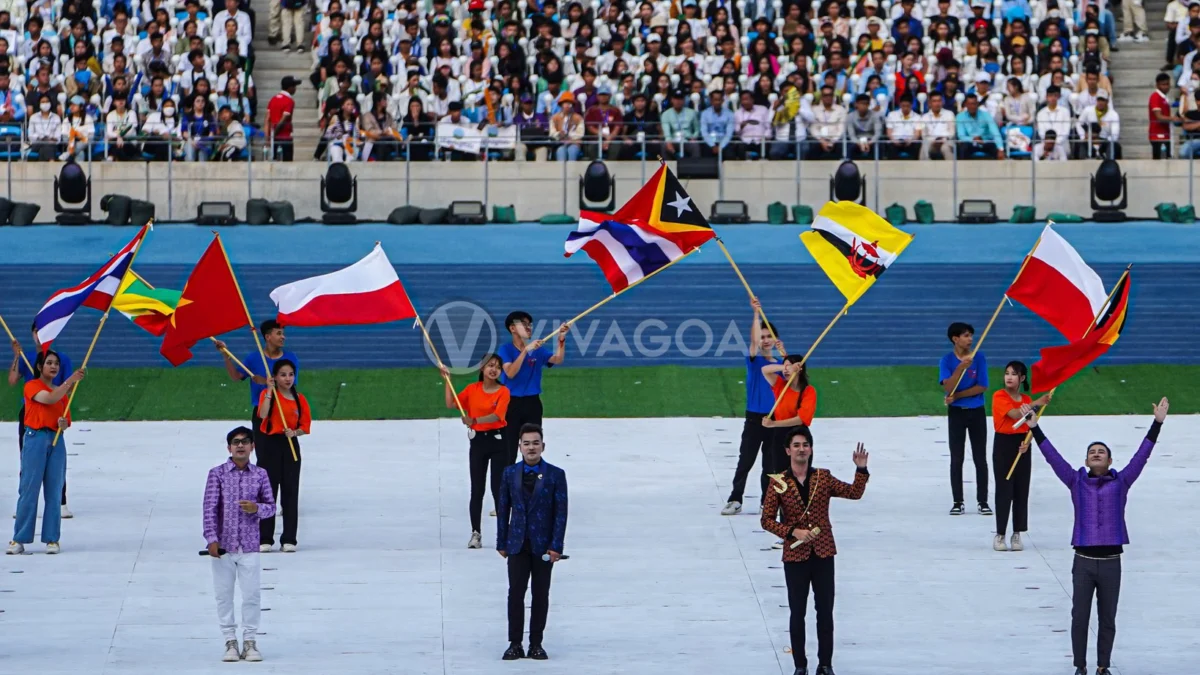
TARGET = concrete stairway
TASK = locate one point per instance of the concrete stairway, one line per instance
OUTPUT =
(1133, 70)
(270, 66)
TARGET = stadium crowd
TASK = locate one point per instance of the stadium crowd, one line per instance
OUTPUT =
(749, 79)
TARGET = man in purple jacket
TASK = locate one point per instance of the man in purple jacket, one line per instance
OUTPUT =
(237, 496)
(1099, 493)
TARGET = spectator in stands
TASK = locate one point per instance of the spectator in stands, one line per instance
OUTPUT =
(603, 123)
(977, 132)
(44, 131)
(681, 128)
(161, 131)
(78, 127)
(1053, 117)
(1176, 18)
(863, 129)
(280, 110)
(1189, 119)
(232, 137)
(1018, 106)
(456, 132)
(1100, 127)
(244, 29)
(233, 98)
(199, 128)
(121, 132)
(566, 128)
(1049, 149)
(418, 131)
(341, 131)
(716, 126)
(643, 120)
(1134, 22)
(904, 131)
(752, 124)
(828, 127)
(12, 106)
(1161, 116)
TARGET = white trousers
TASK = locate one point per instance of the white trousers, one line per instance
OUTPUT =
(244, 568)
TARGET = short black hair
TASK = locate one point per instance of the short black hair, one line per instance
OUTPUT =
(514, 317)
(531, 428)
(1050, 133)
(959, 329)
(1057, 91)
(237, 431)
(1162, 77)
(1103, 445)
(270, 324)
(801, 430)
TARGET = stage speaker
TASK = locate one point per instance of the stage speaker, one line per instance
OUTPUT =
(466, 213)
(216, 213)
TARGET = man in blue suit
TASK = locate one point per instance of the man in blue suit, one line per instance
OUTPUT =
(530, 529)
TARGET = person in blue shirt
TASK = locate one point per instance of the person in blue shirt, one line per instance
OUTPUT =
(716, 125)
(759, 401)
(977, 131)
(963, 377)
(522, 361)
(274, 340)
(20, 373)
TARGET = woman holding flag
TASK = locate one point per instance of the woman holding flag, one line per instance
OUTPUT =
(1011, 494)
(273, 452)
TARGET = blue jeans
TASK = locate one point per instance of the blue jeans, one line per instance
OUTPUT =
(43, 469)
(567, 153)
(1190, 148)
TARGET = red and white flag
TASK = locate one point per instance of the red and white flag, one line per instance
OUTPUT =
(1058, 286)
(366, 292)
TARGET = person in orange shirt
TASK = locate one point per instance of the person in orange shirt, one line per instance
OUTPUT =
(274, 453)
(486, 405)
(796, 405)
(1011, 494)
(43, 460)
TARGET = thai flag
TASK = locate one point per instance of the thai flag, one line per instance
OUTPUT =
(625, 253)
(97, 292)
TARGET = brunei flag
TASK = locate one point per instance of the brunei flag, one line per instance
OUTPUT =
(1058, 364)
(663, 208)
(147, 307)
(854, 246)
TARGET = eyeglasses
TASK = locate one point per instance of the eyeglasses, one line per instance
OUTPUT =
(241, 441)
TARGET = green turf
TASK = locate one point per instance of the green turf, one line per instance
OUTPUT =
(656, 391)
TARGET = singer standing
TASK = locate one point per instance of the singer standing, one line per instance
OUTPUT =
(529, 533)
(237, 497)
(797, 510)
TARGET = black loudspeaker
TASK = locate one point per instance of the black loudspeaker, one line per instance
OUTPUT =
(404, 215)
(283, 213)
(258, 212)
(117, 208)
(6, 209)
(698, 167)
(24, 213)
(140, 212)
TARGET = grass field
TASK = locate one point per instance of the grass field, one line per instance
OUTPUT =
(655, 391)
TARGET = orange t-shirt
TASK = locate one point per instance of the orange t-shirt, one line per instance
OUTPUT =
(296, 418)
(41, 415)
(479, 403)
(1002, 403)
(802, 404)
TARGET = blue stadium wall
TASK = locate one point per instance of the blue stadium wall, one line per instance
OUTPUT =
(951, 272)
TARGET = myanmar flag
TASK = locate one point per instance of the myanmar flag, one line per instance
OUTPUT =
(147, 307)
(854, 246)
(211, 304)
(1058, 364)
(662, 207)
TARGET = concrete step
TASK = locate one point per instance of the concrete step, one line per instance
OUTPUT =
(271, 66)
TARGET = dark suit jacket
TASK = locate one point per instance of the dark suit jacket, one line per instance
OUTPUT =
(543, 520)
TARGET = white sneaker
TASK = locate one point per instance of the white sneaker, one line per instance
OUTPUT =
(732, 509)
(289, 548)
(250, 651)
(66, 513)
(52, 548)
(1016, 544)
(264, 548)
(476, 540)
(1141, 37)
(1125, 37)
(998, 543)
(231, 652)
(15, 549)
(778, 544)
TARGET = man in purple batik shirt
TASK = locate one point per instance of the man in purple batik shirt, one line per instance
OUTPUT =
(236, 497)
(1099, 493)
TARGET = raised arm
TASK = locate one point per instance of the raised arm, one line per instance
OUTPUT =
(1065, 472)
(771, 372)
(560, 346)
(234, 374)
(861, 475)
(1134, 469)
(755, 329)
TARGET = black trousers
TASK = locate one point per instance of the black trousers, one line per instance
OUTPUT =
(21, 448)
(522, 567)
(1011, 494)
(487, 446)
(284, 149)
(275, 456)
(521, 410)
(818, 573)
(755, 442)
(1103, 578)
(972, 421)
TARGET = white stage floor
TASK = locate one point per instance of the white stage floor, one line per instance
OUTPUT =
(658, 581)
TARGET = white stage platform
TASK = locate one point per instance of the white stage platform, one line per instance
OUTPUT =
(658, 582)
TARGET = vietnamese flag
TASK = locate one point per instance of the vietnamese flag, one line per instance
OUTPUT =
(1059, 364)
(209, 305)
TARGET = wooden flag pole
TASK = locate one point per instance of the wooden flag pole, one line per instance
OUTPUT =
(226, 352)
(429, 341)
(14, 339)
(1038, 416)
(100, 327)
(845, 310)
(605, 301)
(258, 345)
(749, 292)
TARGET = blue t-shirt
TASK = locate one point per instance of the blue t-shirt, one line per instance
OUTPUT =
(759, 396)
(255, 363)
(64, 370)
(528, 381)
(975, 374)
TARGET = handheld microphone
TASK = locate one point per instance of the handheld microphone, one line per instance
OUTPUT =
(815, 531)
(546, 557)
(204, 551)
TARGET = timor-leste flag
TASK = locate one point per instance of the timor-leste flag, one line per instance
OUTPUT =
(209, 305)
(147, 307)
(1058, 364)
(663, 208)
(854, 246)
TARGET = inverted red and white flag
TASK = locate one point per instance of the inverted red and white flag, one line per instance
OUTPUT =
(366, 292)
(1058, 286)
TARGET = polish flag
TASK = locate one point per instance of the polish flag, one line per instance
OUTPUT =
(366, 292)
(1058, 286)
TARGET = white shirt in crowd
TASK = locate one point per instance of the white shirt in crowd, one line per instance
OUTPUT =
(938, 126)
(44, 127)
(244, 32)
(902, 128)
(1057, 154)
(1110, 123)
(829, 124)
(1058, 119)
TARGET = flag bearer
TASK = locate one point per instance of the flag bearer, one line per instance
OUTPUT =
(964, 379)
(20, 372)
(274, 452)
(273, 347)
(1011, 494)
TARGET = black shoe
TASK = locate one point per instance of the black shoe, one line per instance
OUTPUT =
(537, 653)
(1081, 671)
(824, 670)
(984, 509)
(957, 509)
(803, 670)
(514, 652)
(1102, 671)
